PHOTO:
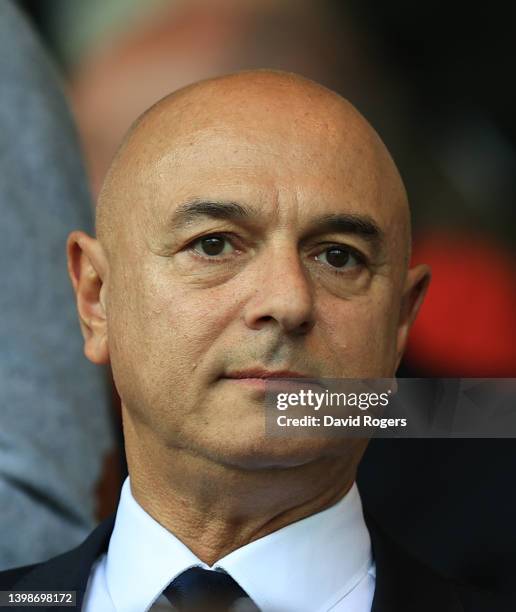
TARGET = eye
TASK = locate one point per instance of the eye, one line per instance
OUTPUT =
(340, 257)
(212, 245)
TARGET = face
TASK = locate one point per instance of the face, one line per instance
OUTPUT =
(252, 245)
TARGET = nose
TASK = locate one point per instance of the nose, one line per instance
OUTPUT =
(282, 294)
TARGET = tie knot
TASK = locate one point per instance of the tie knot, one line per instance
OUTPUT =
(200, 590)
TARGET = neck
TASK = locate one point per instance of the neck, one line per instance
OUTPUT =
(215, 508)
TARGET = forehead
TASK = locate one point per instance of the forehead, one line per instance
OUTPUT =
(287, 155)
(303, 162)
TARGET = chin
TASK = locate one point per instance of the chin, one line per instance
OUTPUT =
(258, 453)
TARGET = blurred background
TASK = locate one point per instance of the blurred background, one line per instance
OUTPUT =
(435, 81)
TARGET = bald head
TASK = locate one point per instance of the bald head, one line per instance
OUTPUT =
(282, 114)
(254, 221)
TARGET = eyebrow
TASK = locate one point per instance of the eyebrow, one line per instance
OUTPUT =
(190, 212)
(348, 223)
(363, 226)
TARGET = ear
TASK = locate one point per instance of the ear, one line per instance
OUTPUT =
(416, 285)
(87, 267)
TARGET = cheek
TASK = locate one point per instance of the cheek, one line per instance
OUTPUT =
(362, 333)
(171, 326)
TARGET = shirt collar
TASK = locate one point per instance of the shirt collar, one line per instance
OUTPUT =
(307, 565)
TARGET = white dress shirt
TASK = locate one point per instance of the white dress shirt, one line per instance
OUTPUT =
(317, 564)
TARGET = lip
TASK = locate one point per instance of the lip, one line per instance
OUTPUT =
(260, 374)
(263, 380)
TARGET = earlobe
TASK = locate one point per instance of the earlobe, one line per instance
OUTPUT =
(87, 268)
(416, 286)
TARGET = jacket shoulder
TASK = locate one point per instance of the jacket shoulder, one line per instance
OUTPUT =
(403, 583)
(477, 600)
(8, 578)
(68, 571)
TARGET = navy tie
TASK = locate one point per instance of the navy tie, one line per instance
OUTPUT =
(200, 590)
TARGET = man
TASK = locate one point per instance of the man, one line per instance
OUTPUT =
(251, 227)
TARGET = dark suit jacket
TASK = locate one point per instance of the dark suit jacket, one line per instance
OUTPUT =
(402, 583)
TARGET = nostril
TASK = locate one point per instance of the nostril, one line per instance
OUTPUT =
(266, 318)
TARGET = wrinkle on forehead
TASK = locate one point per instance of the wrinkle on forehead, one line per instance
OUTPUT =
(257, 106)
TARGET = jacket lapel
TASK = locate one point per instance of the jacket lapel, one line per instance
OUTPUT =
(403, 584)
(69, 571)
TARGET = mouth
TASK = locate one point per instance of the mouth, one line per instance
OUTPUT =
(263, 375)
(262, 379)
